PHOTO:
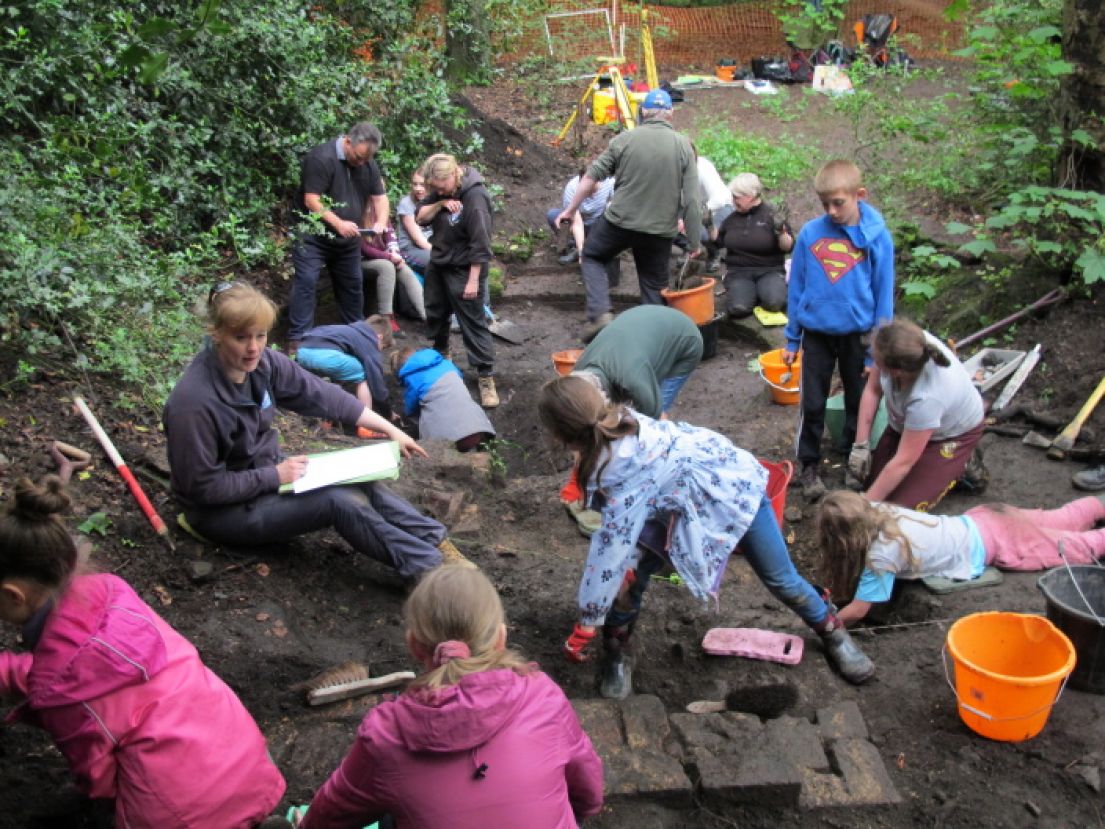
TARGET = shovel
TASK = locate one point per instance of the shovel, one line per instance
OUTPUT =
(504, 329)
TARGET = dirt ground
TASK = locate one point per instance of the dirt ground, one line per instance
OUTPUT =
(268, 618)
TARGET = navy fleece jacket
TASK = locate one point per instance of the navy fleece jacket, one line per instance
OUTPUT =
(222, 447)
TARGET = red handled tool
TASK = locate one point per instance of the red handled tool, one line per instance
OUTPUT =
(128, 476)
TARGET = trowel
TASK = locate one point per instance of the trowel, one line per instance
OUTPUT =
(504, 329)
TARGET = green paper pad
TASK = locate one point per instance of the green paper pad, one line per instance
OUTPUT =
(937, 584)
(385, 475)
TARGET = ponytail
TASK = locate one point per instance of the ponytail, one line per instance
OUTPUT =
(35, 544)
(902, 344)
(574, 412)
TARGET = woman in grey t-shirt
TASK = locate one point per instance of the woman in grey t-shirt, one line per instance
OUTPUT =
(935, 417)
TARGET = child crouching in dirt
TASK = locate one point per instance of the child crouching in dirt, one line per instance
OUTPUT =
(131, 707)
(351, 354)
(435, 392)
(481, 739)
(865, 546)
(672, 492)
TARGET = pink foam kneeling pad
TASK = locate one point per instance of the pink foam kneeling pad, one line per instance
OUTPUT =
(754, 643)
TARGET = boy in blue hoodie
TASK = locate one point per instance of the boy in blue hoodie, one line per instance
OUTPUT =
(841, 288)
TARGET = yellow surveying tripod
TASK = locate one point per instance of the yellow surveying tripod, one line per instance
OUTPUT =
(622, 100)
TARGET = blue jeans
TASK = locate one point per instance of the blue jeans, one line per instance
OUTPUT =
(669, 390)
(764, 548)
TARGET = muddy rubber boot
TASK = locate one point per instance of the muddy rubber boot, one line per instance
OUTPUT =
(616, 670)
(843, 652)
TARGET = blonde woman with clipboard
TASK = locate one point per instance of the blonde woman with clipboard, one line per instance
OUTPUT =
(225, 459)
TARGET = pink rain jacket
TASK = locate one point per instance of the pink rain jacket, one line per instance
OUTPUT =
(495, 750)
(138, 715)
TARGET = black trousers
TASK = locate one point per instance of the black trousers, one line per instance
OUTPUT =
(444, 295)
(604, 243)
(821, 353)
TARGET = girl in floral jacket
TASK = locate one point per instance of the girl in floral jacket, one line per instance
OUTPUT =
(671, 492)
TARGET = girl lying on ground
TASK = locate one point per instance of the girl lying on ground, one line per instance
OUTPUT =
(133, 710)
(671, 492)
(865, 546)
(481, 739)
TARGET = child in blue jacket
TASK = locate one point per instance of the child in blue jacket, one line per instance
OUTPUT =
(434, 390)
(841, 288)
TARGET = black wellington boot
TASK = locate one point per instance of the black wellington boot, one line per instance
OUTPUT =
(843, 652)
(616, 669)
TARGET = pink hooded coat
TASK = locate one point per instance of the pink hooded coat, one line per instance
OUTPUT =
(138, 715)
(495, 750)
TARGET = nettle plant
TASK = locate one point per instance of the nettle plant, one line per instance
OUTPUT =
(1062, 229)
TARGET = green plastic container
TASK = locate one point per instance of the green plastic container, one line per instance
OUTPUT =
(834, 419)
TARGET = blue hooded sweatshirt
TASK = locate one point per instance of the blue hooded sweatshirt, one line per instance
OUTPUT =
(424, 368)
(841, 277)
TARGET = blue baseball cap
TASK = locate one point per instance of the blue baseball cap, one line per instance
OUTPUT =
(657, 99)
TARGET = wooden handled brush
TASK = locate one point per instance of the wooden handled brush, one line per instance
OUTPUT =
(1065, 442)
(349, 680)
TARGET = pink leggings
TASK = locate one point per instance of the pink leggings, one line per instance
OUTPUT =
(1028, 539)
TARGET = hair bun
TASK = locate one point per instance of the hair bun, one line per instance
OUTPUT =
(43, 501)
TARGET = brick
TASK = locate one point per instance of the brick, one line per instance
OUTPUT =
(863, 779)
(629, 738)
(795, 741)
(841, 721)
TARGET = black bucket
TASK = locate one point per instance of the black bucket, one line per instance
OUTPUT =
(1076, 604)
(709, 331)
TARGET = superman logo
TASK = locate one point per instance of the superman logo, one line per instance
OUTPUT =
(837, 257)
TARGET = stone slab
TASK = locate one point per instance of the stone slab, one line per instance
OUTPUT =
(630, 737)
(863, 779)
(841, 721)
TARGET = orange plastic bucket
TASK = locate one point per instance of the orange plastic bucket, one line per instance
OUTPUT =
(697, 303)
(778, 479)
(772, 369)
(725, 73)
(565, 360)
(1010, 668)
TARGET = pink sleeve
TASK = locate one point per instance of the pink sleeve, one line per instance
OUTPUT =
(371, 252)
(342, 802)
(14, 668)
(584, 770)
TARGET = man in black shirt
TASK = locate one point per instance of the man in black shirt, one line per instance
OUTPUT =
(341, 184)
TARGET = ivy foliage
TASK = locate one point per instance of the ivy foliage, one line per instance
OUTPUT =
(150, 146)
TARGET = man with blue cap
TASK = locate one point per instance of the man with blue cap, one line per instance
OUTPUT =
(655, 185)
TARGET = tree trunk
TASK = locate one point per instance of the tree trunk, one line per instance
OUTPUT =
(467, 41)
(1082, 96)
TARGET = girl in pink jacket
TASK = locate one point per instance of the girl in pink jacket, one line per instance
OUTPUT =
(125, 697)
(482, 739)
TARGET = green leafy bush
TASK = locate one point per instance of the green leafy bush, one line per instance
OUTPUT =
(775, 161)
(150, 148)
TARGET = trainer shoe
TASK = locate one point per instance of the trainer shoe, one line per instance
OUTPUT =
(1090, 480)
(452, 556)
(489, 397)
(592, 330)
(810, 480)
(568, 258)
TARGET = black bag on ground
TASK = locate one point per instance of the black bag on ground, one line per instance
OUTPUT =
(772, 69)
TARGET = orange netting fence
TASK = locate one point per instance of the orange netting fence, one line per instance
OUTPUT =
(575, 29)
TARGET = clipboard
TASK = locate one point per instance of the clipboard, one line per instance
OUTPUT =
(375, 462)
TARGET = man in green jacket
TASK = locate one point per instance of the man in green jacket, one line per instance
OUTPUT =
(655, 184)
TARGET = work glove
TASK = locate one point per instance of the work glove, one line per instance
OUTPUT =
(575, 649)
(859, 462)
